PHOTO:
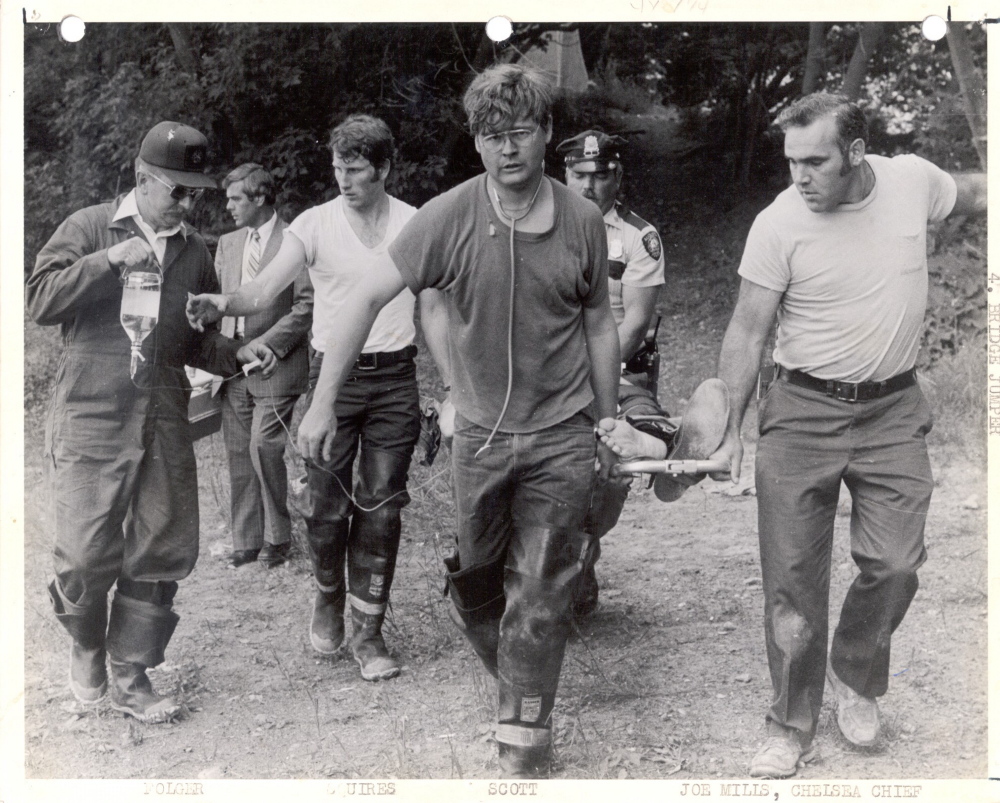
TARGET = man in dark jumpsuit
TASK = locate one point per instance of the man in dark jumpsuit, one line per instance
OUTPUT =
(119, 451)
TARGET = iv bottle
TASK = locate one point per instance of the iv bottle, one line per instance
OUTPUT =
(140, 310)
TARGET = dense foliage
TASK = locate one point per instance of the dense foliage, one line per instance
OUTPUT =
(271, 93)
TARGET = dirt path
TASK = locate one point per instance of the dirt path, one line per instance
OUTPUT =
(668, 679)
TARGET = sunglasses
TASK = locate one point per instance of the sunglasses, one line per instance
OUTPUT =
(179, 193)
(517, 136)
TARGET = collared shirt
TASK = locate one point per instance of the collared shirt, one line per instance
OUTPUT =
(265, 234)
(157, 239)
(635, 255)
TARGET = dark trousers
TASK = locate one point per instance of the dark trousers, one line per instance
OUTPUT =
(520, 508)
(125, 510)
(378, 413)
(255, 430)
(810, 444)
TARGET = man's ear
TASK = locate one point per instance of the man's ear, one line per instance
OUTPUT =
(856, 152)
(383, 171)
(548, 130)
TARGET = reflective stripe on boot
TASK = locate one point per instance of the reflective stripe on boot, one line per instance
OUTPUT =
(523, 752)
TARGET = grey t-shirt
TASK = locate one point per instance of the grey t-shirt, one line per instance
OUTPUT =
(457, 244)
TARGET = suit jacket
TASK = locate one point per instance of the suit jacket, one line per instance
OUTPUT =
(283, 327)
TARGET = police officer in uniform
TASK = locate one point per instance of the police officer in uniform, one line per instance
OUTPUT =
(635, 274)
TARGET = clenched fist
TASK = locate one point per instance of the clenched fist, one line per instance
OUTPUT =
(131, 253)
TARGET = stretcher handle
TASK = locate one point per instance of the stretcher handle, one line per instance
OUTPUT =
(670, 467)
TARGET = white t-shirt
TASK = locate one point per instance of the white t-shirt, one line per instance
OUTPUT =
(338, 261)
(854, 280)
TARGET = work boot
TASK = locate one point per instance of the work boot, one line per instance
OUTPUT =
(368, 646)
(702, 429)
(132, 694)
(326, 628)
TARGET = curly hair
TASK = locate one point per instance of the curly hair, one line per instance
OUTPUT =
(505, 93)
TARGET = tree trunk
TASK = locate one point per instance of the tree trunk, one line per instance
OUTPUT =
(971, 84)
(182, 44)
(868, 41)
(815, 57)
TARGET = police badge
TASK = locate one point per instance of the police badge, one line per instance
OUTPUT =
(651, 242)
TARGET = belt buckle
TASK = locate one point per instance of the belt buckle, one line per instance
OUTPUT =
(367, 362)
(846, 391)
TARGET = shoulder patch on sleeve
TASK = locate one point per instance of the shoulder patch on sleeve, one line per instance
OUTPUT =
(651, 242)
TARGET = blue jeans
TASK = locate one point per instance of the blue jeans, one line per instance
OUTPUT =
(377, 411)
(520, 507)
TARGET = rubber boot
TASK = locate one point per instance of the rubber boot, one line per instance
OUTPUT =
(540, 578)
(326, 627)
(368, 646)
(327, 549)
(138, 633)
(524, 752)
(477, 605)
(371, 557)
(88, 673)
(606, 505)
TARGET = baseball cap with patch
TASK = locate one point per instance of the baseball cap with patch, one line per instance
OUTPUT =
(591, 146)
(180, 151)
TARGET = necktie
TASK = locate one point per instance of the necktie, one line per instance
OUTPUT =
(253, 261)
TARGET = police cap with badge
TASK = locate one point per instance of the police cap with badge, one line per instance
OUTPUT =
(591, 151)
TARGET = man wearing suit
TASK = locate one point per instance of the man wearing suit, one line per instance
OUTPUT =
(256, 412)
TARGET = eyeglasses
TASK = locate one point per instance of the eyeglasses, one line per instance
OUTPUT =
(517, 136)
(179, 193)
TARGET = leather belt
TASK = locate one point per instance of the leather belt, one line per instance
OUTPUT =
(849, 391)
(383, 359)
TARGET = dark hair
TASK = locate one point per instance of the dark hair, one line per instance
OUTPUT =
(850, 120)
(365, 136)
(504, 94)
(256, 182)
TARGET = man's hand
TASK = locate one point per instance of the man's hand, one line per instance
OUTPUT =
(316, 433)
(730, 453)
(446, 420)
(606, 459)
(204, 309)
(255, 350)
(131, 253)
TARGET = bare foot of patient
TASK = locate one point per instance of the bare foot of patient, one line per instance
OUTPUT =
(629, 443)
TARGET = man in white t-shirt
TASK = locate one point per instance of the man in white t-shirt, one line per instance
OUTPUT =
(377, 411)
(839, 259)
